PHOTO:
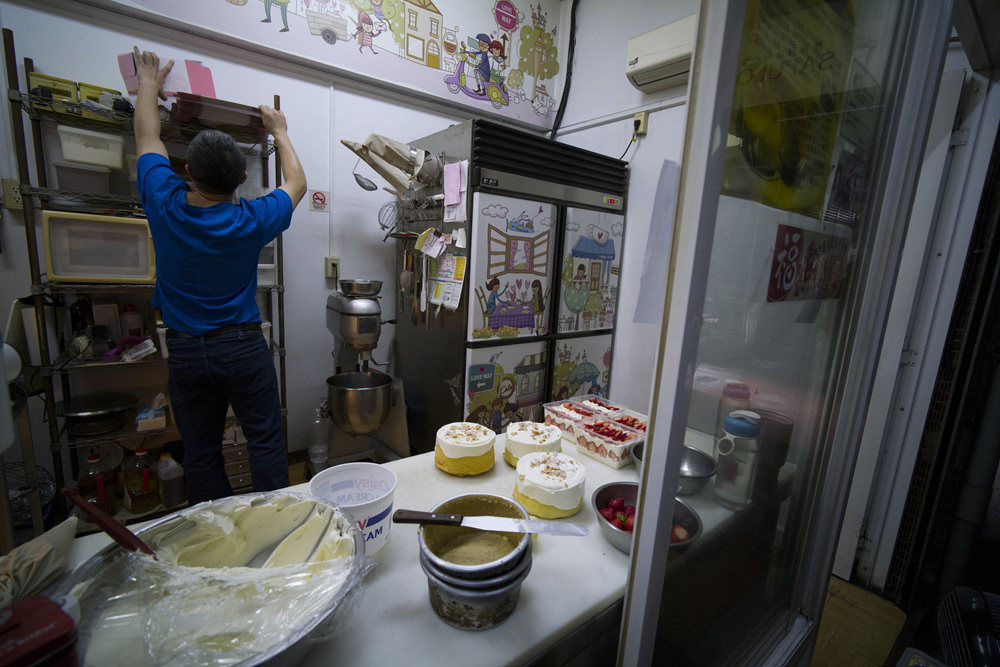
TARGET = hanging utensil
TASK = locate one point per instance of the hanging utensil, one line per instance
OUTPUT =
(362, 181)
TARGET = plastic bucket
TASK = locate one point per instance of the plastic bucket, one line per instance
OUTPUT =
(363, 489)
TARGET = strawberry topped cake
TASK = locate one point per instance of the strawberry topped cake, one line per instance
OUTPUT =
(549, 484)
(607, 441)
(526, 437)
(563, 414)
(630, 420)
(464, 448)
(598, 404)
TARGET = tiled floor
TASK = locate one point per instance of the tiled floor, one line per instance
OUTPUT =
(857, 627)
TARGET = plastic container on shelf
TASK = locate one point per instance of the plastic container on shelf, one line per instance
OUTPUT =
(98, 484)
(735, 396)
(318, 446)
(89, 147)
(142, 484)
(173, 491)
(131, 321)
(81, 177)
(739, 460)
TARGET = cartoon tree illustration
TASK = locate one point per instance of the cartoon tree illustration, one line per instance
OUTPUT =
(537, 55)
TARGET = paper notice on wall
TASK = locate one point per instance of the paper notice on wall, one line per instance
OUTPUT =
(446, 275)
(189, 76)
(456, 178)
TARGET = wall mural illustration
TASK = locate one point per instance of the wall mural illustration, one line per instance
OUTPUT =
(501, 56)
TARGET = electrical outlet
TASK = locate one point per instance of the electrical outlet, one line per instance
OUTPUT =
(332, 265)
(641, 123)
(12, 195)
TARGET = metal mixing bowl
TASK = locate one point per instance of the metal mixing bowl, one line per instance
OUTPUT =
(627, 490)
(697, 468)
(359, 401)
(360, 287)
(684, 515)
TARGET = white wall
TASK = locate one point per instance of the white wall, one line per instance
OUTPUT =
(68, 44)
(599, 117)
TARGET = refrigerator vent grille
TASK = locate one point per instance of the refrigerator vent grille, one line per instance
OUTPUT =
(512, 151)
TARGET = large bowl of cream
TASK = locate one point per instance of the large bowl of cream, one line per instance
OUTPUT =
(245, 580)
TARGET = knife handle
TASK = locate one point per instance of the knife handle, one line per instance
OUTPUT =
(413, 516)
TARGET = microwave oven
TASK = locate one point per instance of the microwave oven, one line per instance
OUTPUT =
(87, 248)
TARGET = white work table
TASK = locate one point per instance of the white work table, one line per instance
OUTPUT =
(572, 579)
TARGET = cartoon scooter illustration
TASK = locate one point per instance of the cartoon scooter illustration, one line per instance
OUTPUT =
(496, 93)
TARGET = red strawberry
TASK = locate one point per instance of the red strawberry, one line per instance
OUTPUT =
(616, 504)
(617, 523)
(630, 523)
(607, 513)
(630, 509)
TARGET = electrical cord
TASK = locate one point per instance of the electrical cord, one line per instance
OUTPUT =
(569, 71)
(631, 141)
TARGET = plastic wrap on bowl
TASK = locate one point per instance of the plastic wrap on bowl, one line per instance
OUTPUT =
(293, 590)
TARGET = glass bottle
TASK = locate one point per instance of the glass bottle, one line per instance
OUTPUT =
(142, 484)
(99, 485)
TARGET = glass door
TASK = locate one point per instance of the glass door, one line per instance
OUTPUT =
(806, 124)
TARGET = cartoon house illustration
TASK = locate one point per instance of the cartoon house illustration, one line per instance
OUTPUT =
(529, 373)
(423, 33)
(599, 256)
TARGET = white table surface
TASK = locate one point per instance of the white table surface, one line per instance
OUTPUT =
(571, 580)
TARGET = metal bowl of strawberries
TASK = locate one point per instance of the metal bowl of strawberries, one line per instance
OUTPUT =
(615, 505)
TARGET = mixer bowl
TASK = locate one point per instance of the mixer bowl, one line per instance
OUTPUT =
(359, 401)
(360, 287)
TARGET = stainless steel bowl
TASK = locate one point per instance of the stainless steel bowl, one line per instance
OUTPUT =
(697, 468)
(360, 287)
(627, 490)
(684, 516)
(437, 541)
(359, 401)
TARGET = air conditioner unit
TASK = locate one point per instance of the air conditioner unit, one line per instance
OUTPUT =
(661, 58)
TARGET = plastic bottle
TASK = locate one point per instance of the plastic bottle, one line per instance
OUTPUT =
(739, 459)
(735, 396)
(142, 485)
(173, 491)
(81, 315)
(98, 484)
(318, 445)
(131, 321)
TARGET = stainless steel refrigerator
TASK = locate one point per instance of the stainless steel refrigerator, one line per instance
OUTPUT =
(519, 306)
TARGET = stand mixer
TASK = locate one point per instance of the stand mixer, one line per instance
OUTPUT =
(366, 406)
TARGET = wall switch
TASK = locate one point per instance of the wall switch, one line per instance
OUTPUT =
(12, 195)
(641, 123)
(332, 265)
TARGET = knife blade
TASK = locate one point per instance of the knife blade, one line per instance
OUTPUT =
(495, 523)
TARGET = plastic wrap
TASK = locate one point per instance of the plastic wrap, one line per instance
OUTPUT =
(236, 581)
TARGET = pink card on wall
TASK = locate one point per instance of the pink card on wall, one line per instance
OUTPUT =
(188, 76)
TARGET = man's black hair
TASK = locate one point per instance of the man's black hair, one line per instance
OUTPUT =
(216, 162)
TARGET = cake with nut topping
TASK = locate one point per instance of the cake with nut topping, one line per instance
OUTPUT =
(549, 484)
(464, 448)
(524, 438)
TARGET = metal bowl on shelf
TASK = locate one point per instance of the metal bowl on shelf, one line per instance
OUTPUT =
(360, 287)
(697, 468)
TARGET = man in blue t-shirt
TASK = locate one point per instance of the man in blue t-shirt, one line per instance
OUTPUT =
(207, 248)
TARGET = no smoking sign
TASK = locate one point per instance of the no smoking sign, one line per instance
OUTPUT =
(319, 200)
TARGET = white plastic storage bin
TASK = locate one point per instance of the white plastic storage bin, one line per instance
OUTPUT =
(96, 148)
(81, 177)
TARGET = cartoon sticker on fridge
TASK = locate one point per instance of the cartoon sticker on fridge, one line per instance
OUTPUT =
(505, 384)
(511, 267)
(591, 266)
(582, 366)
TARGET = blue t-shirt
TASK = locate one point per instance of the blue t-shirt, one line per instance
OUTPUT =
(206, 257)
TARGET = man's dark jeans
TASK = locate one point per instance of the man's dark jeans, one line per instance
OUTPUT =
(206, 375)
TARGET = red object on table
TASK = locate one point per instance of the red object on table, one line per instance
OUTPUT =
(36, 631)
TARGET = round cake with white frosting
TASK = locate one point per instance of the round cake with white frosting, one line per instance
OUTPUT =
(549, 484)
(525, 438)
(464, 448)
